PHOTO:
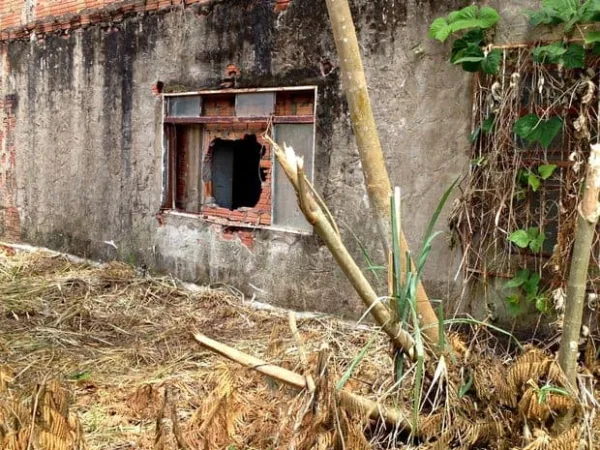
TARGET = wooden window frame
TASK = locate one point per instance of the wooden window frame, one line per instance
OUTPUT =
(232, 127)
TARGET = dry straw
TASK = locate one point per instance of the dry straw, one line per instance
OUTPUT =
(98, 356)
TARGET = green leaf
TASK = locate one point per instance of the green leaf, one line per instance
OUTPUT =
(596, 48)
(472, 17)
(355, 362)
(514, 305)
(525, 126)
(591, 37)
(520, 238)
(533, 232)
(530, 287)
(491, 63)
(537, 243)
(467, 13)
(574, 57)
(549, 54)
(478, 162)
(541, 18)
(548, 130)
(542, 304)
(488, 16)
(473, 37)
(439, 29)
(80, 376)
(488, 124)
(474, 135)
(534, 181)
(546, 170)
(533, 129)
(464, 388)
(565, 10)
(590, 11)
(521, 277)
(470, 56)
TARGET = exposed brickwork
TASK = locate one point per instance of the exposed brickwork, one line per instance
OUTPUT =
(261, 213)
(9, 214)
(219, 105)
(20, 18)
(282, 5)
(64, 15)
(232, 233)
(295, 104)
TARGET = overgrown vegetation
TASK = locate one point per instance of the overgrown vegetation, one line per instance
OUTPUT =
(535, 120)
(524, 214)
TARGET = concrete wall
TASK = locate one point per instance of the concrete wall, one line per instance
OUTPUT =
(81, 154)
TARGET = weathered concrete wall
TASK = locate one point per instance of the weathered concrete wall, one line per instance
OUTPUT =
(88, 153)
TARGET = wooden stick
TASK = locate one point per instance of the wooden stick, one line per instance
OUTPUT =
(351, 402)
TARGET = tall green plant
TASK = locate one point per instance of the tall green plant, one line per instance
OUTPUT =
(405, 290)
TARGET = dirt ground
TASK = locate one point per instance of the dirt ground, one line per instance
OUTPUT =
(112, 350)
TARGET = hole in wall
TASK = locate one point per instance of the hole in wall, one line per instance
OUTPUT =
(236, 174)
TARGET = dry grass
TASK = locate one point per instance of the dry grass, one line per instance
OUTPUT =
(120, 343)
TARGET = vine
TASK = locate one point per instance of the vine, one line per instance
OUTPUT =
(534, 118)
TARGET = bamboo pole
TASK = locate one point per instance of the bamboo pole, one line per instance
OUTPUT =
(352, 402)
(578, 272)
(324, 226)
(369, 147)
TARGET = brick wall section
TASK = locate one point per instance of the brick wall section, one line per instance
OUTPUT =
(9, 214)
(20, 18)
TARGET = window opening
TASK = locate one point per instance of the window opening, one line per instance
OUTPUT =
(217, 165)
(231, 173)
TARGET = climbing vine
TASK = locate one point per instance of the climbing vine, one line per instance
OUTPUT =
(535, 114)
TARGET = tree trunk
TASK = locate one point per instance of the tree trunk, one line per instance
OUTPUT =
(578, 272)
(369, 147)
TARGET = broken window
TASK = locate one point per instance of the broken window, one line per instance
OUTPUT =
(235, 172)
(217, 164)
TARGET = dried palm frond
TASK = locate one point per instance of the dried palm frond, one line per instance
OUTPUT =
(145, 402)
(214, 423)
(46, 422)
(569, 440)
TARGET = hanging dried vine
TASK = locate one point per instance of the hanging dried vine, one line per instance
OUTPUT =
(517, 215)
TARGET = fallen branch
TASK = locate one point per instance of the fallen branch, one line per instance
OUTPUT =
(322, 223)
(352, 402)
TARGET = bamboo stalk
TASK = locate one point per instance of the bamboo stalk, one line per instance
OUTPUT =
(292, 167)
(578, 272)
(352, 402)
(375, 173)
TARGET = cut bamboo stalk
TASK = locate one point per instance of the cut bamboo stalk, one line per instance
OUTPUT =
(352, 402)
(293, 168)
